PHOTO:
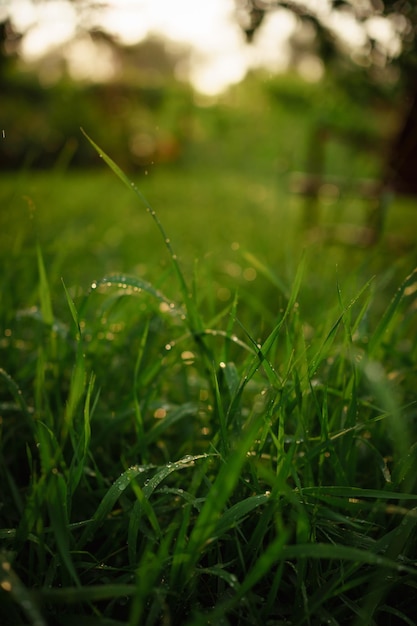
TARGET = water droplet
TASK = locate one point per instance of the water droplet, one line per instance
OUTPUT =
(186, 459)
(93, 285)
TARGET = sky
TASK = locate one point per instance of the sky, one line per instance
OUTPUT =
(219, 55)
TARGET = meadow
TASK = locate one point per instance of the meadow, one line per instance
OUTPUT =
(207, 407)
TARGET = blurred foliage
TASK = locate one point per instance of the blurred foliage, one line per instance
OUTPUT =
(145, 116)
(145, 122)
(43, 123)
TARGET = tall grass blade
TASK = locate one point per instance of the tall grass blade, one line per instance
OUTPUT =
(193, 317)
(82, 446)
(322, 352)
(57, 499)
(388, 317)
(219, 493)
(44, 291)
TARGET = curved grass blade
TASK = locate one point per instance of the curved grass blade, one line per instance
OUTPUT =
(106, 505)
(233, 516)
(135, 286)
(193, 317)
(142, 504)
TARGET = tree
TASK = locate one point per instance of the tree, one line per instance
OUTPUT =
(401, 166)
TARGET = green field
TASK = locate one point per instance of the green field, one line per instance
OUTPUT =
(207, 413)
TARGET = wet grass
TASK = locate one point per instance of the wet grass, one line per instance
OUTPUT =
(228, 441)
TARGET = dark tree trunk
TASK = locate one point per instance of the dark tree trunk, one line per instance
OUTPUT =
(401, 173)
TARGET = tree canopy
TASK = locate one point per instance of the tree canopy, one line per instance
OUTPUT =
(396, 18)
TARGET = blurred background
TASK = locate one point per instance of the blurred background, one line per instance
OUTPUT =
(137, 73)
(240, 119)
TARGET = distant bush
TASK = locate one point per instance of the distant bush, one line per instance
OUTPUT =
(139, 124)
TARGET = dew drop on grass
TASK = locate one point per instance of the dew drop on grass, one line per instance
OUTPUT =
(186, 459)
(93, 285)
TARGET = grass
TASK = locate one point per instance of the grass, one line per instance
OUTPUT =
(226, 442)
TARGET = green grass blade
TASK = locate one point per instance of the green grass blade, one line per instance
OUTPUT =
(113, 494)
(394, 546)
(388, 318)
(323, 551)
(187, 410)
(322, 352)
(356, 492)
(44, 291)
(81, 450)
(58, 514)
(193, 317)
(72, 308)
(235, 514)
(18, 397)
(267, 272)
(134, 285)
(219, 493)
(142, 504)
(90, 593)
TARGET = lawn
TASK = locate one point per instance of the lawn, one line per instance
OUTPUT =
(207, 409)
